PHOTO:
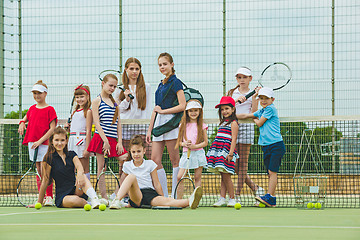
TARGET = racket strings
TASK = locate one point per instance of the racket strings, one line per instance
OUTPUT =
(275, 76)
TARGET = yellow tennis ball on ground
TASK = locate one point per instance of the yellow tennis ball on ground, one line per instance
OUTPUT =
(318, 205)
(310, 205)
(102, 207)
(262, 205)
(237, 206)
(38, 206)
(87, 207)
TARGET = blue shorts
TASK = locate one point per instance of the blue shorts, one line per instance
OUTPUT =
(272, 155)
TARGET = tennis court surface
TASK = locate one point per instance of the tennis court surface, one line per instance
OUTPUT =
(203, 223)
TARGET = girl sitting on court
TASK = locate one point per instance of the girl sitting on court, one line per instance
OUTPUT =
(142, 184)
(192, 137)
(60, 164)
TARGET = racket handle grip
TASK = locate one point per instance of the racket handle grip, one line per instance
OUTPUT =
(248, 95)
(130, 95)
(188, 153)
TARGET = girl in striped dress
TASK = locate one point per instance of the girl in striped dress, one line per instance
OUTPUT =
(222, 155)
(108, 135)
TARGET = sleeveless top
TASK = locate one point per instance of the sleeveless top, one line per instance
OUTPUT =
(78, 122)
(106, 114)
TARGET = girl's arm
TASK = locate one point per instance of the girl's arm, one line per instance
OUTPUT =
(260, 122)
(119, 146)
(80, 171)
(234, 133)
(156, 182)
(89, 122)
(96, 119)
(202, 144)
(179, 108)
(151, 126)
(22, 126)
(46, 169)
(46, 135)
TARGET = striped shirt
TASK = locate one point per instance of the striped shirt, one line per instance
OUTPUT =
(106, 114)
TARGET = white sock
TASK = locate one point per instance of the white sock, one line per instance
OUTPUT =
(174, 180)
(87, 175)
(163, 181)
(91, 193)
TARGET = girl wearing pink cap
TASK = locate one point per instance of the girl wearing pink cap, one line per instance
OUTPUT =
(222, 154)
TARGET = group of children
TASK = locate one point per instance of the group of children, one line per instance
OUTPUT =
(144, 181)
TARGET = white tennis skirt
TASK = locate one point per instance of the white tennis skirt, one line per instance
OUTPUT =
(246, 133)
(77, 144)
(160, 120)
(41, 152)
(197, 159)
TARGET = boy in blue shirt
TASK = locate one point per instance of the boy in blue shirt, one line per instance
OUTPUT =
(270, 139)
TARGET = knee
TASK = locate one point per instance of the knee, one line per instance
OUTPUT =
(123, 157)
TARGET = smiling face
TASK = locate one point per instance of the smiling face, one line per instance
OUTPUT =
(165, 67)
(39, 97)
(137, 152)
(193, 113)
(81, 99)
(59, 142)
(133, 71)
(265, 101)
(226, 110)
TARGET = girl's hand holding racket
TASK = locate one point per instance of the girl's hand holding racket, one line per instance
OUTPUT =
(127, 94)
(35, 145)
(106, 148)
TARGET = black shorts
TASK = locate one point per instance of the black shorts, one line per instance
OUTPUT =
(148, 195)
(273, 154)
(59, 200)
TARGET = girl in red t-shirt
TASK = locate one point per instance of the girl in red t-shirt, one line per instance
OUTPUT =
(42, 120)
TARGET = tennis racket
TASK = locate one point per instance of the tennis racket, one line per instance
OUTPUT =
(118, 75)
(27, 191)
(106, 177)
(276, 76)
(160, 207)
(71, 109)
(185, 187)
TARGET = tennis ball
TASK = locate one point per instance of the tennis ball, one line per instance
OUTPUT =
(262, 205)
(87, 207)
(102, 207)
(310, 205)
(318, 205)
(237, 206)
(38, 206)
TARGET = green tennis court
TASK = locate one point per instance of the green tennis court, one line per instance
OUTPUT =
(203, 223)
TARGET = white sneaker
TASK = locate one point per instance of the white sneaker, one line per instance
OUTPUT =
(112, 196)
(95, 203)
(115, 204)
(124, 203)
(231, 202)
(220, 203)
(259, 191)
(104, 201)
(48, 201)
(195, 197)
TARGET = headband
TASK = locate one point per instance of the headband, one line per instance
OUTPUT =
(80, 87)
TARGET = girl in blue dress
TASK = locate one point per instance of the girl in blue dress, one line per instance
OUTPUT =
(222, 155)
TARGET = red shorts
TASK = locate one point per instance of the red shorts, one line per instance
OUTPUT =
(96, 146)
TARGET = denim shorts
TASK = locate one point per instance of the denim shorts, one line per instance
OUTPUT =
(273, 154)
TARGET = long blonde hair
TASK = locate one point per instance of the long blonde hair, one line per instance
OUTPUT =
(79, 91)
(199, 123)
(105, 79)
(140, 84)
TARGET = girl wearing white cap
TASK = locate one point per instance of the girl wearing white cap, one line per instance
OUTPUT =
(246, 130)
(192, 137)
(42, 120)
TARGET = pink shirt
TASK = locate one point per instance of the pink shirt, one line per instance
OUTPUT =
(39, 120)
(191, 134)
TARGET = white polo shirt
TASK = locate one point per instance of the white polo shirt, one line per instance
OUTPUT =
(142, 173)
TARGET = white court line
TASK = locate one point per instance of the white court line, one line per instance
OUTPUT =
(175, 225)
(38, 212)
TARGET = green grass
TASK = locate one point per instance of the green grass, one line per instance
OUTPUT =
(203, 223)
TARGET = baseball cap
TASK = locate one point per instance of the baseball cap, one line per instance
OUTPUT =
(226, 100)
(266, 91)
(39, 88)
(244, 71)
(193, 104)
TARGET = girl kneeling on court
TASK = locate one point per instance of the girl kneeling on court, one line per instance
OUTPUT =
(142, 183)
(60, 164)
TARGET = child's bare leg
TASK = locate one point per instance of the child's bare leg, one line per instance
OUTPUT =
(131, 186)
(229, 184)
(272, 182)
(73, 201)
(197, 176)
(121, 161)
(222, 187)
(165, 201)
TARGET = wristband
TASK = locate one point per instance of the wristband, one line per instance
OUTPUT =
(22, 121)
(231, 155)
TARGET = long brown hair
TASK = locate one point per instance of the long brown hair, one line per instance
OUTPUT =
(182, 130)
(51, 148)
(135, 140)
(231, 118)
(170, 58)
(79, 91)
(105, 79)
(140, 84)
